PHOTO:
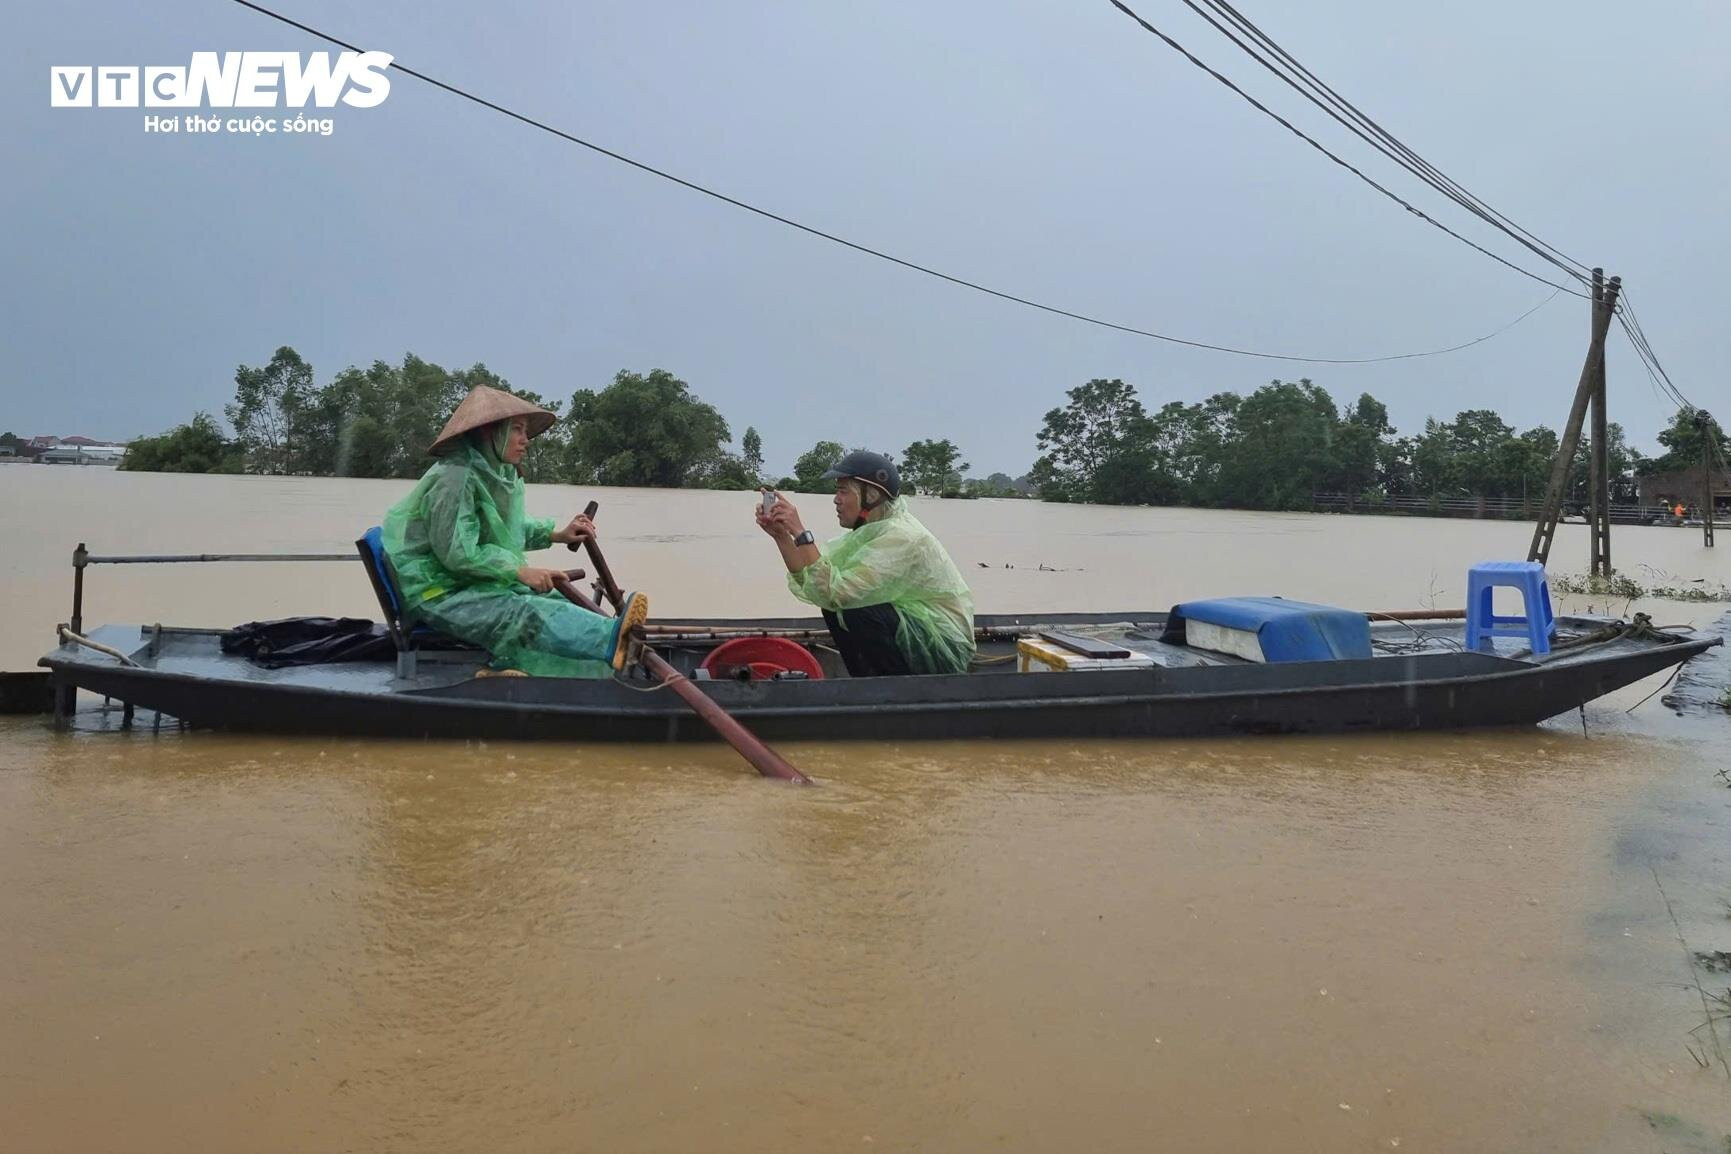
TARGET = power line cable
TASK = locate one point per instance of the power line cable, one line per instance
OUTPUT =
(908, 264)
(1631, 323)
(1659, 386)
(1649, 359)
(1653, 378)
(1296, 131)
(1299, 77)
(1344, 112)
(1296, 75)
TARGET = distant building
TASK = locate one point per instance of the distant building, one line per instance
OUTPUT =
(1684, 485)
(64, 454)
(73, 450)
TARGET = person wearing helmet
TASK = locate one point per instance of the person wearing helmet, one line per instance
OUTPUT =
(890, 594)
(456, 546)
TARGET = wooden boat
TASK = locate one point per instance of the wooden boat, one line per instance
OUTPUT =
(1420, 677)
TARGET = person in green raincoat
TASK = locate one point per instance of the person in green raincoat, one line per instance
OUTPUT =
(890, 594)
(456, 550)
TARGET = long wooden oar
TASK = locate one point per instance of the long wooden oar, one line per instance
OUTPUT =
(762, 758)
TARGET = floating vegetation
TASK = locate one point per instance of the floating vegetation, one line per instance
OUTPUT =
(1616, 585)
(1661, 585)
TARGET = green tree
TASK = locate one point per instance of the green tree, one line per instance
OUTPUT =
(1480, 440)
(1524, 466)
(1434, 468)
(995, 485)
(380, 421)
(1471, 455)
(195, 447)
(933, 467)
(1621, 463)
(1361, 447)
(751, 454)
(645, 429)
(1682, 441)
(1191, 442)
(809, 469)
(1394, 467)
(1280, 447)
(1135, 475)
(269, 409)
(1102, 420)
(723, 471)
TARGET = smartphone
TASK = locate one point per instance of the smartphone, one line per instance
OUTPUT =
(769, 499)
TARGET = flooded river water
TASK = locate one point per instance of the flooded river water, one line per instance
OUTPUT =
(1426, 942)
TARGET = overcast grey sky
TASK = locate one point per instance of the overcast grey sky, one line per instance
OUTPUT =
(1050, 149)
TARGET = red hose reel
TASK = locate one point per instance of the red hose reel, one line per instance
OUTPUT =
(761, 658)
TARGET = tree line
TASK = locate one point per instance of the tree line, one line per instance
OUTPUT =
(1271, 449)
(643, 429)
(1287, 441)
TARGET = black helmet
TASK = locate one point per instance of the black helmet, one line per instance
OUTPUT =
(872, 468)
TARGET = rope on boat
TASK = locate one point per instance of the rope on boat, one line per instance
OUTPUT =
(66, 635)
(1641, 628)
(656, 688)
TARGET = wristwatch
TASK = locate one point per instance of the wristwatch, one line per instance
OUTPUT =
(804, 538)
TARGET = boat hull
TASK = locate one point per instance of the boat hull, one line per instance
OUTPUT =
(1425, 691)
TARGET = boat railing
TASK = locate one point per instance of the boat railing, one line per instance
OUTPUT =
(83, 558)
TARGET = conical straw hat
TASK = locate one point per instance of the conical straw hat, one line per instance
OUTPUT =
(484, 406)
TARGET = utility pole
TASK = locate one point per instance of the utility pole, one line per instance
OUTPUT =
(1704, 423)
(1591, 383)
(1599, 472)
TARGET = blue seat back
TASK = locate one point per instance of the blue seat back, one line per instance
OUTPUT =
(374, 540)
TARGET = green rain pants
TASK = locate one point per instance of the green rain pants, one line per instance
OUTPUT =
(539, 633)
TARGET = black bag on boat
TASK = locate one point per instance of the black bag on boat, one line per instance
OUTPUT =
(309, 641)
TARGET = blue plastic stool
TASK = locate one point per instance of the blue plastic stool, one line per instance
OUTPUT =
(1536, 620)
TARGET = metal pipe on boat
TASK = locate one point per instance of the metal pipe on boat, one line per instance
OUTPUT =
(66, 693)
(80, 558)
(174, 558)
(1419, 615)
(67, 635)
(804, 636)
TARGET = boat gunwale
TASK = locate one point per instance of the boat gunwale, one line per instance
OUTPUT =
(503, 696)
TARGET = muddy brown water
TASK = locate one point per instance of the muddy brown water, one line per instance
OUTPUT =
(1430, 942)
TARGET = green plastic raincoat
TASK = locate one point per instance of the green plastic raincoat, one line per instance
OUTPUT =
(455, 544)
(895, 560)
